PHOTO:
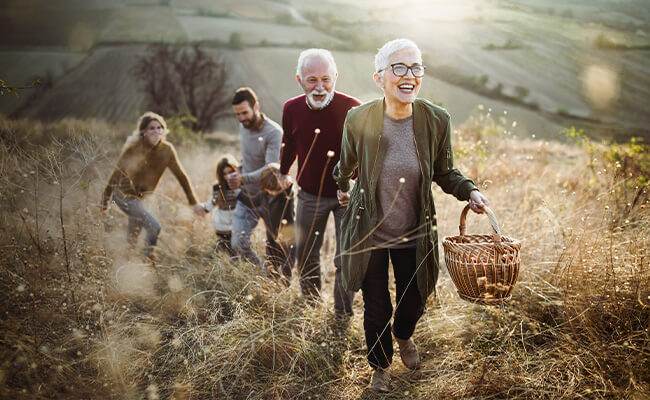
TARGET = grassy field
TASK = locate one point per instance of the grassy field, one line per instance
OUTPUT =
(84, 317)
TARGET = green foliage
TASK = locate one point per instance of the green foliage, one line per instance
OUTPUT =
(521, 91)
(235, 41)
(180, 131)
(575, 135)
(604, 41)
(4, 88)
(624, 167)
(631, 165)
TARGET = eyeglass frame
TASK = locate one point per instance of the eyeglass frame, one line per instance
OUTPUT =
(408, 68)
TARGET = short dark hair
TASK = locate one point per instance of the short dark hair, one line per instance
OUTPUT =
(244, 94)
(270, 178)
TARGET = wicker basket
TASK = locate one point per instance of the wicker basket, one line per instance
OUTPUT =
(484, 268)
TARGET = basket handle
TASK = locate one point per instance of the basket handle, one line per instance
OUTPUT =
(496, 233)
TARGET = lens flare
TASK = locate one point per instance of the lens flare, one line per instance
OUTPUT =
(600, 86)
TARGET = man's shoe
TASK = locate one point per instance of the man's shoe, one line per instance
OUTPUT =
(409, 353)
(379, 382)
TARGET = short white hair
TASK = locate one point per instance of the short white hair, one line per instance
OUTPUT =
(382, 58)
(308, 54)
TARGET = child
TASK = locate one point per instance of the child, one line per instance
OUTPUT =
(276, 207)
(224, 199)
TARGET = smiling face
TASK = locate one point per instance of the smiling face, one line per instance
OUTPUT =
(318, 81)
(153, 133)
(400, 89)
(247, 115)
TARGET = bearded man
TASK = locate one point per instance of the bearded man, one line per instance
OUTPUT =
(313, 126)
(260, 139)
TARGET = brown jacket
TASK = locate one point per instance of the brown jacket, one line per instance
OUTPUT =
(140, 168)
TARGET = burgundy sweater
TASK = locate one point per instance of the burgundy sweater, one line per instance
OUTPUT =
(299, 124)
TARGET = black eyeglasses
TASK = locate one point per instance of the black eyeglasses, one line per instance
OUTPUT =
(400, 70)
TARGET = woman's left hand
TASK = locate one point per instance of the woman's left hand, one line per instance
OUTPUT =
(477, 201)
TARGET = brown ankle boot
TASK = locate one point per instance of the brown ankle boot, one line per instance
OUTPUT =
(380, 379)
(409, 353)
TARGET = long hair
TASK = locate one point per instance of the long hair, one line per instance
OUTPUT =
(143, 122)
(226, 161)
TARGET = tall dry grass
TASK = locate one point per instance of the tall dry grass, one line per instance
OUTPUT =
(84, 317)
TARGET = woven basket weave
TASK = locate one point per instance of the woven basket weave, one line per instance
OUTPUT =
(484, 268)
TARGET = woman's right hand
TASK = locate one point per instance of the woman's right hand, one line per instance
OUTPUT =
(343, 197)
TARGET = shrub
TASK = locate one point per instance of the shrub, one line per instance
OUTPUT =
(182, 81)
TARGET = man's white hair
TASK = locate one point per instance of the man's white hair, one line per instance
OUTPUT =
(382, 58)
(308, 54)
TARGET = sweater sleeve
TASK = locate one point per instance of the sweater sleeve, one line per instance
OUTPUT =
(345, 168)
(113, 181)
(271, 155)
(450, 179)
(288, 154)
(178, 171)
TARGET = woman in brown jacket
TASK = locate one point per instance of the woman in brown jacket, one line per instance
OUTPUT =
(145, 156)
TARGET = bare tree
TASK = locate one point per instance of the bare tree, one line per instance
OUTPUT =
(185, 81)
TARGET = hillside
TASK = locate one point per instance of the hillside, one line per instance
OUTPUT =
(548, 65)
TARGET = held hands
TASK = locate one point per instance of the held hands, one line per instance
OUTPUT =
(285, 181)
(344, 197)
(199, 210)
(477, 201)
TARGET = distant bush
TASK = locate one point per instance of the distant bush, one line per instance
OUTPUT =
(235, 41)
(481, 80)
(183, 81)
(604, 41)
(521, 91)
(285, 19)
(204, 12)
(510, 44)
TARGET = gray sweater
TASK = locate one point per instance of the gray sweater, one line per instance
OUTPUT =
(258, 149)
(398, 202)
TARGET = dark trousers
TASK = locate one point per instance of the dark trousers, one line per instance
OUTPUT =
(278, 214)
(377, 304)
(311, 220)
(223, 244)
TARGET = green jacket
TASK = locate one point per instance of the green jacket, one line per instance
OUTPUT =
(361, 147)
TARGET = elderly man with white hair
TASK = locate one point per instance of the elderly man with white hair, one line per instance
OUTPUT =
(399, 144)
(313, 125)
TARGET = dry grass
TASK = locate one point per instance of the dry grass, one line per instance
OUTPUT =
(86, 318)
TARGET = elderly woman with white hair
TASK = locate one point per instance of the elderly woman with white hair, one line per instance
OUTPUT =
(400, 144)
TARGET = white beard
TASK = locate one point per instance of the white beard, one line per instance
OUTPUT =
(320, 104)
